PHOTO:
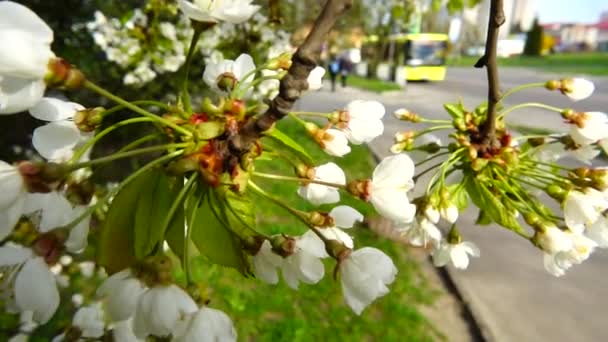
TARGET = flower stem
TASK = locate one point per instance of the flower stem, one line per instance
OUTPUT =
(528, 105)
(89, 144)
(132, 153)
(137, 103)
(520, 88)
(300, 215)
(185, 93)
(139, 142)
(316, 114)
(296, 179)
(431, 158)
(95, 88)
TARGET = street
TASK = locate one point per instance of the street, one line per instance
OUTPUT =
(511, 295)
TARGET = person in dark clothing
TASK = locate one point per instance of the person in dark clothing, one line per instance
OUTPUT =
(334, 70)
(345, 67)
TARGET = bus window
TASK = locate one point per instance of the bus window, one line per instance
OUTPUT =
(421, 53)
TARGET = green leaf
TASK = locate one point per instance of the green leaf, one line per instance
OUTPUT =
(175, 235)
(286, 141)
(490, 204)
(458, 196)
(456, 110)
(156, 198)
(115, 250)
(483, 218)
(212, 235)
(209, 130)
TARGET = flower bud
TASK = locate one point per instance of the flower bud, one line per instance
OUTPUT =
(281, 62)
(403, 136)
(88, 120)
(42, 177)
(406, 115)
(556, 192)
(64, 75)
(319, 219)
(227, 81)
(283, 245)
(359, 188)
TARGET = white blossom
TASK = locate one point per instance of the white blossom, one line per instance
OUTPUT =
(592, 127)
(265, 264)
(121, 292)
(449, 212)
(420, 231)
(236, 69)
(344, 217)
(319, 194)
(123, 332)
(391, 181)
(577, 251)
(23, 61)
(34, 286)
(315, 78)
(160, 309)
(554, 240)
(89, 319)
(364, 121)
(56, 140)
(365, 274)
(305, 265)
(598, 232)
(13, 198)
(335, 143)
(582, 209)
(232, 11)
(457, 254)
(206, 325)
(577, 88)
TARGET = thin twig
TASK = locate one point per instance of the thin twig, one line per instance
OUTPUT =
(295, 82)
(488, 128)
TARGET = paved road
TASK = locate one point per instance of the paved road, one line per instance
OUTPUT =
(507, 287)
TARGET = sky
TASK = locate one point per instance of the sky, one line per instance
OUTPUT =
(583, 11)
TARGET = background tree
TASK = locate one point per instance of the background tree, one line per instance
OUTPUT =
(534, 40)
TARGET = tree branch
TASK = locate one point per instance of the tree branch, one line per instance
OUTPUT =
(294, 83)
(497, 18)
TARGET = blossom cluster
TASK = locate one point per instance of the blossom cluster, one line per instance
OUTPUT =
(141, 47)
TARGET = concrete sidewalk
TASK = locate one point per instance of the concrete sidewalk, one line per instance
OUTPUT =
(511, 296)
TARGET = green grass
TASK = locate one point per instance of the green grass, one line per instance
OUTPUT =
(263, 312)
(569, 63)
(371, 84)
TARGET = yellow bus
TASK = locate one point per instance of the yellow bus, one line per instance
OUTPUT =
(421, 56)
(411, 57)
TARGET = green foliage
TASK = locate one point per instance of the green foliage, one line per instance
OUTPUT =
(534, 40)
(115, 249)
(288, 142)
(153, 205)
(372, 84)
(211, 230)
(490, 203)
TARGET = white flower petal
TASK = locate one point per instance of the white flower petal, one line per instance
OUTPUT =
(243, 65)
(345, 216)
(23, 55)
(18, 95)
(11, 185)
(315, 78)
(195, 13)
(14, 255)
(208, 325)
(36, 290)
(52, 109)
(10, 216)
(16, 16)
(122, 292)
(265, 264)
(54, 139)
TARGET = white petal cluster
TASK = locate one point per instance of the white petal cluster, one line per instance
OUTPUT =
(593, 127)
(162, 47)
(577, 88)
(210, 11)
(422, 231)
(238, 69)
(583, 209)
(457, 254)
(391, 181)
(304, 265)
(344, 217)
(335, 143)
(56, 140)
(34, 288)
(365, 274)
(319, 194)
(160, 310)
(139, 311)
(89, 320)
(206, 324)
(364, 121)
(23, 60)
